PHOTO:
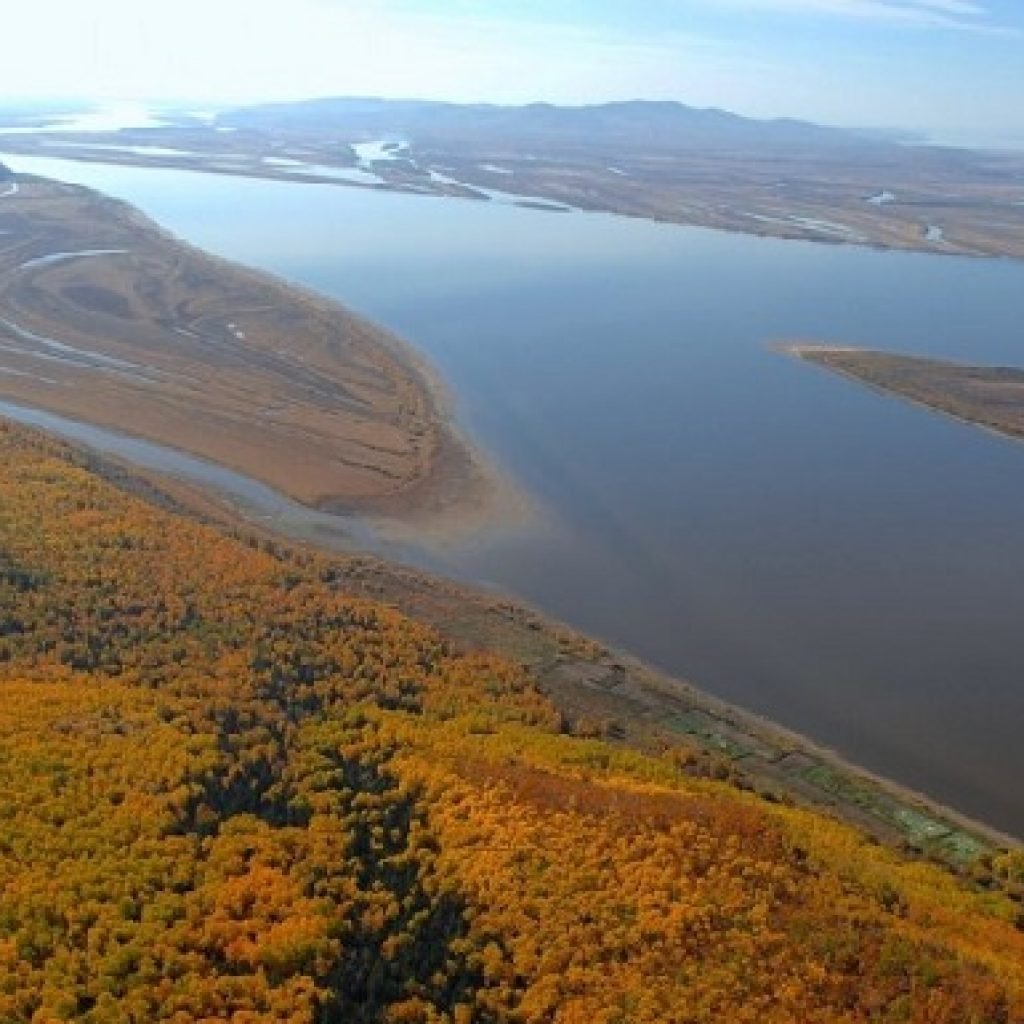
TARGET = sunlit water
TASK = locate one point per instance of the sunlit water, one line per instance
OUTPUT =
(848, 564)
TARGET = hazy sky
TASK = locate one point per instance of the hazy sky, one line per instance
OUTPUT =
(952, 68)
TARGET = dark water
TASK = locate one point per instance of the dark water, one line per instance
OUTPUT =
(845, 563)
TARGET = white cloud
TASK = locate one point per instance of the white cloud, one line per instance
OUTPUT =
(959, 15)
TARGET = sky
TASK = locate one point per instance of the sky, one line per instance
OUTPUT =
(952, 69)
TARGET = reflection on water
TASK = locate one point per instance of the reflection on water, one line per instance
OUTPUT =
(846, 563)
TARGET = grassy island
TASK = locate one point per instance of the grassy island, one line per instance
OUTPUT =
(986, 396)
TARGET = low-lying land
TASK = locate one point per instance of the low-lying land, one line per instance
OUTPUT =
(104, 317)
(986, 396)
(662, 161)
(233, 789)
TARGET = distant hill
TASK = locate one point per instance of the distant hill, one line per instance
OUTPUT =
(666, 126)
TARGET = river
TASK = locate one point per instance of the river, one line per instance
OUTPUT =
(842, 562)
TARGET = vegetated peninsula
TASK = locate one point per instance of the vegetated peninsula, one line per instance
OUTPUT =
(986, 396)
(106, 318)
(235, 790)
(658, 160)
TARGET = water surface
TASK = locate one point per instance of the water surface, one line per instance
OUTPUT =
(848, 564)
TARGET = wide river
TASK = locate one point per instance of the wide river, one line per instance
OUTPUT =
(844, 563)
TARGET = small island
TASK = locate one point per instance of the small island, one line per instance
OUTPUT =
(986, 396)
(108, 319)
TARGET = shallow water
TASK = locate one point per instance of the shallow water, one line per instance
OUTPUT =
(258, 502)
(848, 564)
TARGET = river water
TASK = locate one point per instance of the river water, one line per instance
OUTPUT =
(844, 563)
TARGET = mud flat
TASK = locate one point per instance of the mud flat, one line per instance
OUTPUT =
(108, 319)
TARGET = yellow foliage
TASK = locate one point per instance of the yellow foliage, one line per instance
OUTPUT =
(229, 791)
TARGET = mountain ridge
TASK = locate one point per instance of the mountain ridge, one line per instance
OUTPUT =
(666, 124)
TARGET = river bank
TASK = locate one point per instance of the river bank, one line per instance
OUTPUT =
(602, 691)
(110, 319)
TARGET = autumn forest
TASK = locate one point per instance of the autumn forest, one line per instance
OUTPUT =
(231, 791)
